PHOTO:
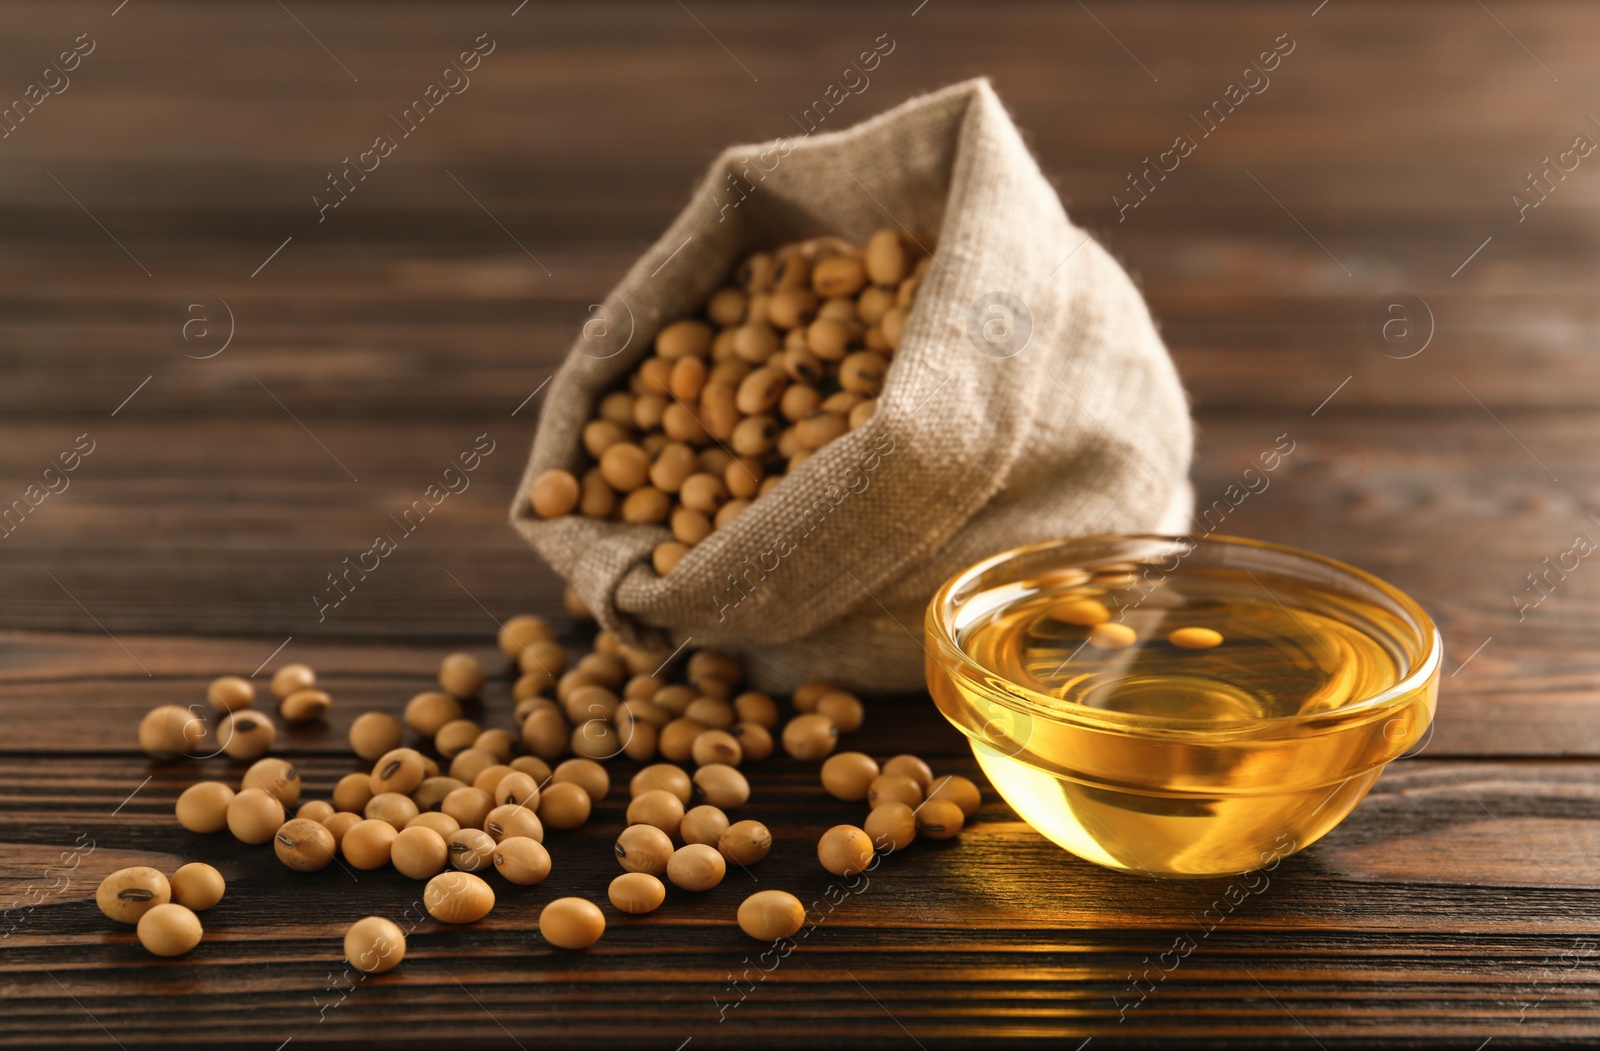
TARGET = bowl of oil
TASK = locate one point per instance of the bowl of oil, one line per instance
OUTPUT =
(1179, 706)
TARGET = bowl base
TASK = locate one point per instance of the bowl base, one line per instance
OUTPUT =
(1170, 835)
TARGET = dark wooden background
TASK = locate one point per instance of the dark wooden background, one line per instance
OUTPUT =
(1455, 907)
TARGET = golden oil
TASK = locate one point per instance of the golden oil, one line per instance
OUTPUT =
(1168, 760)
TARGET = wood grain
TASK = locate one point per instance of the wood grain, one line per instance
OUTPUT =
(1422, 900)
(1454, 906)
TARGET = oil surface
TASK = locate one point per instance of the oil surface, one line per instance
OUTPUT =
(1277, 656)
(1197, 783)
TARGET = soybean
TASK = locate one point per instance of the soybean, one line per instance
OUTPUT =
(246, 734)
(374, 944)
(1085, 612)
(572, 923)
(807, 318)
(842, 275)
(1112, 636)
(564, 806)
(1195, 638)
(657, 807)
(304, 845)
(169, 930)
(646, 506)
(639, 741)
(666, 556)
(341, 823)
(292, 677)
(703, 824)
(643, 848)
(807, 694)
(717, 746)
(710, 712)
(754, 739)
(721, 786)
(604, 668)
(469, 805)
(514, 820)
(469, 763)
(554, 493)
(595, 738)
(818, 428)
(518, 789)
(675, 698)
(745, 842)
(471, 849)
(844, 850)
(533, 766)
(891, 827)
(521, 860)
(939, 819)
(399, 770)
(229, 693)
(396, 809)
(863, 373)
(676, 739)
(663, 776)
(753, 706)
(431, 794)
(305, 706)
(848, 775)
(958, 790)
(520, 630)
(456, 735)
(254, 816)
(368, 844)
(589, 701)
(316, 810)
(696, 867)
(845, 709)
(586, 774)
(197, 886)
(636, 893)
(675, 462)
(203, 807)
(457, 897)
(461, 675)
(893, 788)
(419, 852)
(353, 792)
(683, 338)
(428, 711)
(910, 766)
(768, 915)
(545, 656)
(127, 894)
(810, 737)
(885, 258)
(441, 823)
(374, 733)
(279, 777)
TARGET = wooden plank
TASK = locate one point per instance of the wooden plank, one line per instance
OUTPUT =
(1415, 905)
(1455, 905)
(395, 338)
(1211, 248)
(140, 539)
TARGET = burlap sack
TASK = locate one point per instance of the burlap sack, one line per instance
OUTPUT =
(1030, 398)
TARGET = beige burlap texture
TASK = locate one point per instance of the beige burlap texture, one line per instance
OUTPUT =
(1030, 398)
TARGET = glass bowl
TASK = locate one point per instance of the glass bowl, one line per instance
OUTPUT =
(1177, 754)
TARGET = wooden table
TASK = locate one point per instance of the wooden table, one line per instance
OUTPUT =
(371, 345)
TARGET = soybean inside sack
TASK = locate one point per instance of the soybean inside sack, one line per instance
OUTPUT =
(1030, 398)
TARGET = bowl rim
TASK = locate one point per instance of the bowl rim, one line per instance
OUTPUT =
(1034, 704)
